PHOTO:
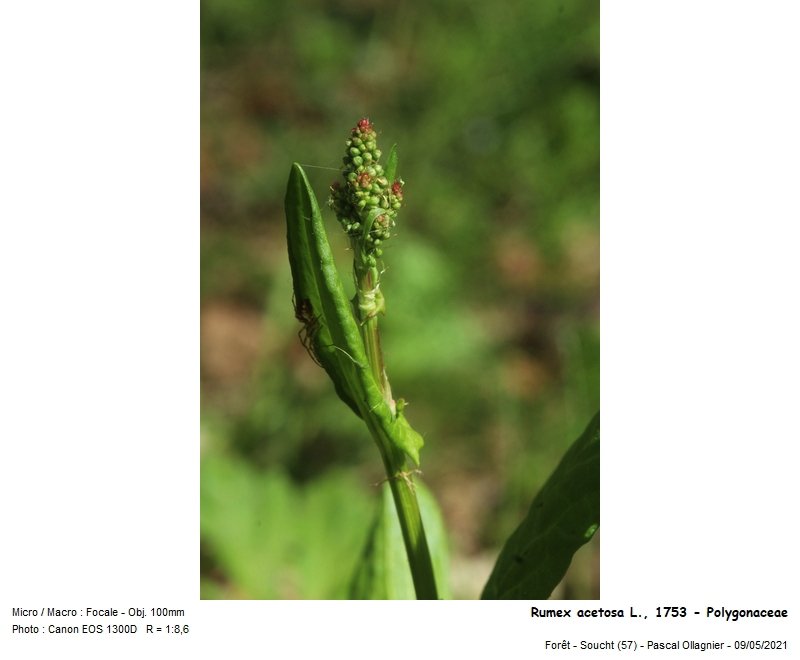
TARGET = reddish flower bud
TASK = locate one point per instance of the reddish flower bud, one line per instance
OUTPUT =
(397, 189)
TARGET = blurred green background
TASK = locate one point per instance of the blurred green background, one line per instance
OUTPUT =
(492, 281)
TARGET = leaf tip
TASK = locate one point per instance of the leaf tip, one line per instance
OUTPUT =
(391, 163)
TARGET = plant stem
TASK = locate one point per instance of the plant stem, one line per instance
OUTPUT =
(407, 506)
(419, 556)
(397, 471)
(372, 339)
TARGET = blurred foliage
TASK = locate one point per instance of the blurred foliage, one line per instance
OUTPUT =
(255, 521)
(492, 283)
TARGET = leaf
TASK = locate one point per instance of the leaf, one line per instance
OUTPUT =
(406, 438)
(564, 515)
(371, 217)
(330, 326)
(391, 164)
(383, 572)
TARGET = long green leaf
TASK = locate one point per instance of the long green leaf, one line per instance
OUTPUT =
(331, 327)
(564, 515)
(383, 572)
(320, 301)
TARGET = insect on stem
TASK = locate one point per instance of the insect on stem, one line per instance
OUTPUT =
(304, 312)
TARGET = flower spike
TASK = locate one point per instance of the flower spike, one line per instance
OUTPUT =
(366, 203)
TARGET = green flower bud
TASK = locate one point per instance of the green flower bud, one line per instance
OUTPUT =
(364, 190)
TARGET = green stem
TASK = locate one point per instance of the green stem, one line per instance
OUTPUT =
(397, 471)
(419, 556)
(372, 344)
(407, 506)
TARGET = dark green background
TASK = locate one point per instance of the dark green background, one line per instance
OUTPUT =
(492, 281)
